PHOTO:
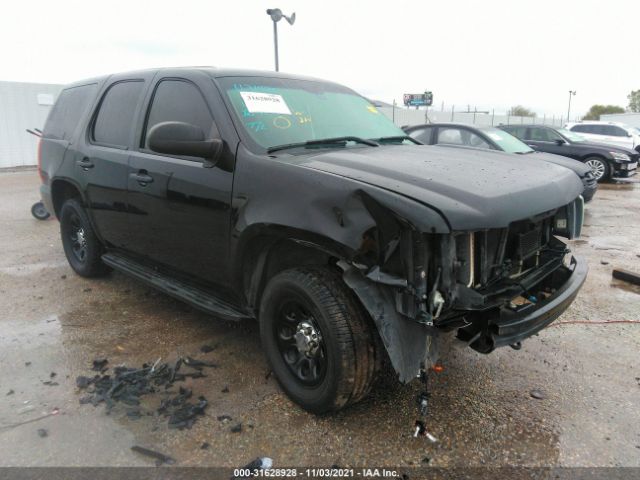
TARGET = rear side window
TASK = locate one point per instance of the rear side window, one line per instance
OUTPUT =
(180, 101)
(114, 122)
(68, 110)
(422, 135)
(518, 132)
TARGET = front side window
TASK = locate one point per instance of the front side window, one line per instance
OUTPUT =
(506, 142)
(544, 135)
(180, 101)
(114, 122)
(461, 136)
(280, 111)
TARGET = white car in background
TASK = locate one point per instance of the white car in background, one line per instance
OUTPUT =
(614, 133)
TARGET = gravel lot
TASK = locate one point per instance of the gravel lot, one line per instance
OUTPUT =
(481, 411)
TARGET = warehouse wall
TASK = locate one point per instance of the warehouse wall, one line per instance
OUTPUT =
(22, 106)
(632, 119)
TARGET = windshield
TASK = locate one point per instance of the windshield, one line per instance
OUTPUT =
(279, 111)
(506, 141)
(574, 137)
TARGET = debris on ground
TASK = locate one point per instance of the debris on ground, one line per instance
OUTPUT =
(128, 385)
(224, 418)
(207, 348)
(159, 457)
(537, 394)
(50, 383)
(26, 364)
(42, 432)
(604, 262)
(237, 428)
(225, 389)
(204, 446)
(52, 374)
(100, 365)
(626, 276)
(10, 392)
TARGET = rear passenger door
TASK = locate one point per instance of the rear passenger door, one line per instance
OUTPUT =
(101, 164)
(179, 207)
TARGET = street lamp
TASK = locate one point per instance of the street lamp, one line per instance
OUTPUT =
(277, 15)
(571, 94)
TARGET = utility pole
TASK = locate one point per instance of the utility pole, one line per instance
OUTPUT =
(571, 94)
(277, 15)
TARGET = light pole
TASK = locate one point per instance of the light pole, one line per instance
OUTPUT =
(276, 15)
(571, 94)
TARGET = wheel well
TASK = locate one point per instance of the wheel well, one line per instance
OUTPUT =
(61, 191)
(266, 258)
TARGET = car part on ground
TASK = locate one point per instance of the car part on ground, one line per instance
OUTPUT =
(338, 238)
(39, 211)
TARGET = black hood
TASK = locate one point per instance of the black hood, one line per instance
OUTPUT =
(473, 189)
(606, 147)
(575, 165)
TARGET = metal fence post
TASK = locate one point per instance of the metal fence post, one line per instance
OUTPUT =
(493, 115)
(452, 108)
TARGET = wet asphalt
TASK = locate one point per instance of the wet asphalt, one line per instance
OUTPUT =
(482, 412)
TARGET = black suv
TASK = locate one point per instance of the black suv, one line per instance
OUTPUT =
(293, 201)
(605, 160)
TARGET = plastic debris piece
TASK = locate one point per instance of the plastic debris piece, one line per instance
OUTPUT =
(100, 364)
(42, 432)
(224, 418)
(207, 348)
(237, 428)
(537, 394)
(225, 389)
(10, 392)
(204, 446)
(159, 457)
(52, 374)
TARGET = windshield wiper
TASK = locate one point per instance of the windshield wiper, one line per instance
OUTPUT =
(340, 141)
(397, 139)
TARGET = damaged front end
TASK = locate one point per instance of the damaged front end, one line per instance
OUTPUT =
(495, 286)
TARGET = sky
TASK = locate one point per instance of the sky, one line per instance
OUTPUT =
(485, 54)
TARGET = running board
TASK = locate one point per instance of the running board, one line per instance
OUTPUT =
(194, 296)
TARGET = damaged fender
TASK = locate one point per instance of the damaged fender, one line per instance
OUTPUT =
(407, 342)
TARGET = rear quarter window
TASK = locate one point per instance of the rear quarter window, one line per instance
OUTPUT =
(68, 110)
(113, 124)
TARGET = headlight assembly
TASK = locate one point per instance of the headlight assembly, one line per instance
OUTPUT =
(620, 156)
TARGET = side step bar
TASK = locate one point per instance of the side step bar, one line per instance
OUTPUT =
(194, 296)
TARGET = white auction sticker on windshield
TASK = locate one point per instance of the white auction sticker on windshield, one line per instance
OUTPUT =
(257, 102)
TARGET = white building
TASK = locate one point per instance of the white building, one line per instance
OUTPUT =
(22, 106)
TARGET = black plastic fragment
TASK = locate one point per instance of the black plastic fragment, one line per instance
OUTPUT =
(237, 428)
(99, 364)
(207, 348)
(42, 432)
(159, 457)
(10, 392)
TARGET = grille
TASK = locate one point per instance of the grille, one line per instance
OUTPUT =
(528, 243)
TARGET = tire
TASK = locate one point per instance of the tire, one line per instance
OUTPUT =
(600, 168)
(81, 246)
(345, 361)
(39, 211)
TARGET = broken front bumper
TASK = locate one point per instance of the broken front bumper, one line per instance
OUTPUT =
(508, 326)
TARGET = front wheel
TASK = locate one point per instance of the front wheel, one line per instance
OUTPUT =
(80, 243)
(318, 339)
(600, 168)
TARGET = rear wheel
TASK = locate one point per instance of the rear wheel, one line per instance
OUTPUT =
(599, 167)
(81, 245)
(318, 339)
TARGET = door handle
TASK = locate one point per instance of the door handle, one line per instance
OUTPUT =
(85, 163)
(142, 177)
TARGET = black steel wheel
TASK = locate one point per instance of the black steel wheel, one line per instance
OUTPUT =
(39, 211)
(318, 339)
(81, 245)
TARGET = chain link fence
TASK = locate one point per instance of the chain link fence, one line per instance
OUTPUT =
(402, 116)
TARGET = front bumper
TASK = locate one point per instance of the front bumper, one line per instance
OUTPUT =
(626, 169)
(508, 326)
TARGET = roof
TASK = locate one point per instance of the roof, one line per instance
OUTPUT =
(213, 72)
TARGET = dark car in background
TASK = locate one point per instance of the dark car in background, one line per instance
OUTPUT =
(462, 135)
(606, 161)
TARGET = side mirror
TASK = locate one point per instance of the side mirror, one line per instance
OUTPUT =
(559, 142)
(179, 138)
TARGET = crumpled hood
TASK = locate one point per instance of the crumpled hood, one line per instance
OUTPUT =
(472, 189)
